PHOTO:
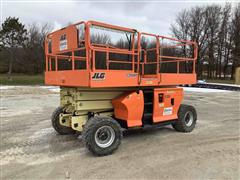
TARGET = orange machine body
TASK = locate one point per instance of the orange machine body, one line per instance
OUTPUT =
(166, 103)
(81, 55)
(130, 107)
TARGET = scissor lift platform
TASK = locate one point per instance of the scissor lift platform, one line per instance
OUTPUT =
(78, 56)
(113, 77)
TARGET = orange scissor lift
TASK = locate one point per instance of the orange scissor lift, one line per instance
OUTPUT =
(114, 78)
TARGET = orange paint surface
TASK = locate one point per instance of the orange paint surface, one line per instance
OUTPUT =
(129, 107)
(166, 103)
(65, 46)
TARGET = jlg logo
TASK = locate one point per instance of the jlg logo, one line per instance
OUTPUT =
(98, 76)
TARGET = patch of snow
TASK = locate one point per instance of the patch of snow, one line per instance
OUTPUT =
(201, 81)
(3, 108)
(51, 88)
(235, 85)
(203, 90)
(9, 113)
(7, 87)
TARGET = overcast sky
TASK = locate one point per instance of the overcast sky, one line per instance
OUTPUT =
(145, 16)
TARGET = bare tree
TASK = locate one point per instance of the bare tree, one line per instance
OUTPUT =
(236, 39)
(212, 17)
(223, 39)
(191, 25)
(34, 49)
(216, 32)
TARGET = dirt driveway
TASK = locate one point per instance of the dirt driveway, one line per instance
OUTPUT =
(30, 149)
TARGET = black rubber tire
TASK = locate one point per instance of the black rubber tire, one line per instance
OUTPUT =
(180, 124)
(62, 130)
(89, 130)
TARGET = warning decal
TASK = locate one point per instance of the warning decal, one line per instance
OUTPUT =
(63, 42)
(167, 111)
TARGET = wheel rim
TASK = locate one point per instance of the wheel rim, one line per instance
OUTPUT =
(104, 136)
(188, 118)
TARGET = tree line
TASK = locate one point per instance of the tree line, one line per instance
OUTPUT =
(216, 30)
(21, 47)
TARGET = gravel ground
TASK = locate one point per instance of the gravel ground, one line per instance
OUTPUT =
(30, 149)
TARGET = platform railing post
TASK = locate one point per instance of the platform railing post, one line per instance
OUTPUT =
(139, 54)
(50, 64)
(133, 54)
(157, 55)
(93, 60)
(87, 46)
(195, 57)
(160, 54)
(56, 64)
(145, 61)
(107, 60)
(73, 60)
(47, 59)
(194, 71)
(177, 66)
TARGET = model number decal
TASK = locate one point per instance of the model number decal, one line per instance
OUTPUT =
(98, 76)
(131, 75)
(167, 111)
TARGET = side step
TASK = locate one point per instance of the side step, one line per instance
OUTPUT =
(157, 125)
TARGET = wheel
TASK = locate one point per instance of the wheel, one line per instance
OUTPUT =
(187, 118)
(63, 130)
(102, 135)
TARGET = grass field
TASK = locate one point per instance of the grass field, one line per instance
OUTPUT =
(224, 81)
(22, 79)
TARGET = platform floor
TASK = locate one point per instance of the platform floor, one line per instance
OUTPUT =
(31, 149)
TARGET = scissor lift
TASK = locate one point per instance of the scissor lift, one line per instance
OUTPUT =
(115, 78)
